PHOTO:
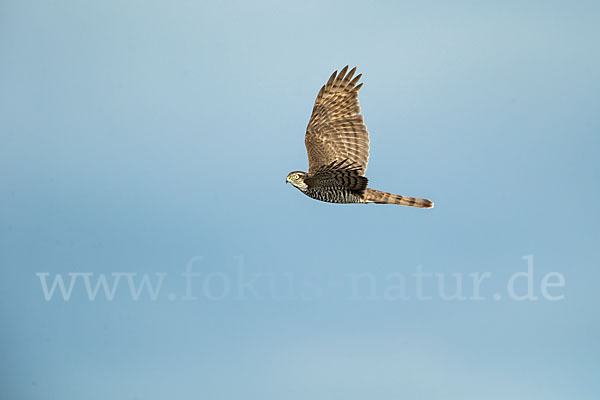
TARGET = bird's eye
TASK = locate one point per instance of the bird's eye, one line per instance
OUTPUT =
(296, 176)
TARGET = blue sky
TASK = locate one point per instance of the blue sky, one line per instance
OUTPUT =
(139, 135)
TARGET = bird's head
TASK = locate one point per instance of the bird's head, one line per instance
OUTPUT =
(297, 178)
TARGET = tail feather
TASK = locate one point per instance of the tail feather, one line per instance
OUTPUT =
(376, 196)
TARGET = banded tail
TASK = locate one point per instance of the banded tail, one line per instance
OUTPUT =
(375, 196)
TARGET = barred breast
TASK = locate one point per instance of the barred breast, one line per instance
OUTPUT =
(334, 195)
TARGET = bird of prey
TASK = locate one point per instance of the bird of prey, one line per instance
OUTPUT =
(337, 142)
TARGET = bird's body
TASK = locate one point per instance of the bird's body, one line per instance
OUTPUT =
(337, 182)
(334, 194)
(337, 142)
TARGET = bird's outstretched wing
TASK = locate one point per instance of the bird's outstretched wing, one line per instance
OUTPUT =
(336, 130)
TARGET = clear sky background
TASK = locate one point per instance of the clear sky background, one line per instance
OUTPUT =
(138, 135)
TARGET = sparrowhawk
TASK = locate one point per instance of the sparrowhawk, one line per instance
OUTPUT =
(337, 142)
